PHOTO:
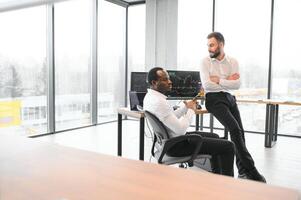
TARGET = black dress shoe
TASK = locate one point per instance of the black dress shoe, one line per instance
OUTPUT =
(253, 176)
(256, 176)
(259, 178)
(243, 176)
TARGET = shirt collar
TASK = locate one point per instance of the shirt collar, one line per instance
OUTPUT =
(226, 58)
(157, 93)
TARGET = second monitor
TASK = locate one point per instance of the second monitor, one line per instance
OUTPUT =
(185, 84)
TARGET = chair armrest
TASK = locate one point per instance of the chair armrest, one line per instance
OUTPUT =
(198, 140)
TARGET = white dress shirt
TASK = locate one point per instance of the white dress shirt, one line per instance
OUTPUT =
(224, 68)
(176, 121)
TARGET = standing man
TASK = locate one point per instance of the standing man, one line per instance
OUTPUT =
(220, 74)
(178, 121)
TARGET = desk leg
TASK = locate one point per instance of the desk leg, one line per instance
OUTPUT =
(141, 143)
(267, 125)
(272, 124)
(211, 123)
(197, 122)
(201, 122)
(268, 131)
(276, 123)
(119, 136)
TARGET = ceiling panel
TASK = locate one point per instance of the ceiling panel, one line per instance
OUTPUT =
(132, 1)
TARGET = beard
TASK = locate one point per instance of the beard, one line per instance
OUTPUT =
(214, 54)
(164, 89)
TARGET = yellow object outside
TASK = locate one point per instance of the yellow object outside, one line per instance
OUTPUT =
(10, 113)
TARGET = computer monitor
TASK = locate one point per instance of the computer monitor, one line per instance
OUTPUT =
(185, 84)
(138, 81)
(136, 99)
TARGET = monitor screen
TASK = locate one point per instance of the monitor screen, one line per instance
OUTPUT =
(136, 99)
(138, 81)
(184, 83)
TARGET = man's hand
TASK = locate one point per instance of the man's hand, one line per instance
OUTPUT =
(233, 77)
(215, 79)
(191, 104)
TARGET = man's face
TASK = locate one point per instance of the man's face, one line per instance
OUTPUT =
(163, 84)
(214, 47)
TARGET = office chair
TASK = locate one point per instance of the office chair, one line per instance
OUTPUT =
(162, 142)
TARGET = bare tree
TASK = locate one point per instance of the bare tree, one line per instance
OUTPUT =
(13, 86)
(41, 83)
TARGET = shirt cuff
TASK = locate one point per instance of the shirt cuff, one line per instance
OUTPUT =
(222, 82)
(190, 113)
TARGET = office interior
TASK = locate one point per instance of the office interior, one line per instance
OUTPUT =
(66, 64)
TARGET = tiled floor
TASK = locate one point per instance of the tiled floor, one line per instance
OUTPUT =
(280, 165)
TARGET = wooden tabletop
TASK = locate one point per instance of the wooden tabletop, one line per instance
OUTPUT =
(270, 101)
(32, 170)
(139, 114)
(130, 113)
(201, 111)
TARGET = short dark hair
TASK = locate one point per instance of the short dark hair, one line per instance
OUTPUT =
(152, 75)
(218, 36)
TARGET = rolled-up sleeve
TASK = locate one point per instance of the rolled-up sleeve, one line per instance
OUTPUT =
(230, 84)
(178, 125)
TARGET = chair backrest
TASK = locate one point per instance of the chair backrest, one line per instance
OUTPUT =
(158, 127)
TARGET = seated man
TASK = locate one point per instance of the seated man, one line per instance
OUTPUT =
(177, 122)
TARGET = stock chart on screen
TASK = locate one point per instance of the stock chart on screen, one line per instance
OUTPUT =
(184, 83)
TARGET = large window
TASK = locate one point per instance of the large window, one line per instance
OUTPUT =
(23, 71)
(246, 27)
(111, 59)
(194, 24)
(136, 38)
(286, 82)
(72, 63)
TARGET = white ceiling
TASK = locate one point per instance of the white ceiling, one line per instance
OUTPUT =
(131, 1)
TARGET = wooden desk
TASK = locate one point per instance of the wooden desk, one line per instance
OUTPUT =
(199, 113)
(135, 114)
(38, 170)
(272, 110)
(270, 101)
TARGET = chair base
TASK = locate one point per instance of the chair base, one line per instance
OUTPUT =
(183, 165)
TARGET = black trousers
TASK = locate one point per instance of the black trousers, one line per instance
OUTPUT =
(224, 108)
(222, 152)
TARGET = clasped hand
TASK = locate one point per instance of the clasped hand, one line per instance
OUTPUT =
(192, 104)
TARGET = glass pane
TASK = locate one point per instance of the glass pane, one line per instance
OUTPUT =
(72, 63)
(247, 39)
(286, 82)
(111, 60)
(23, 72)
(194, 24)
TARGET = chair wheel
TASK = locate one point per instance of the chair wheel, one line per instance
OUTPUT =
(183, 165)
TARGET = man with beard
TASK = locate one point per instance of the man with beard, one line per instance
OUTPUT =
(219, 75)
(178, 121)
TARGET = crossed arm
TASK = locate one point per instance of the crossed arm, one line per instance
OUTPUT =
(216, 79)
(214, 82)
